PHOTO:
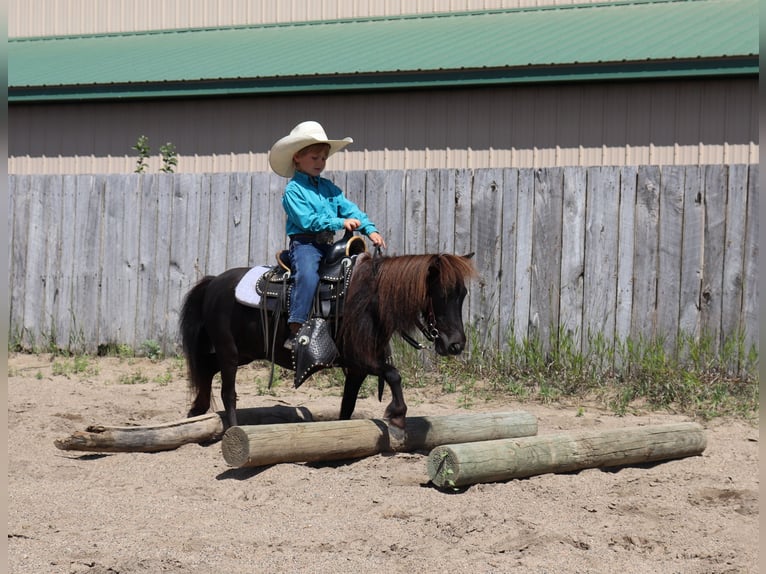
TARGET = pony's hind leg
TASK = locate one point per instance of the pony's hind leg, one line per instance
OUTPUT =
(202, 382)
(351, 388)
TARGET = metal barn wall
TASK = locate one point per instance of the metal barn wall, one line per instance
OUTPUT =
(674, 122)
(28, 18)
(633, 252)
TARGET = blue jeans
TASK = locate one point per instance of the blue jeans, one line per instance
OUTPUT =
(305, 257)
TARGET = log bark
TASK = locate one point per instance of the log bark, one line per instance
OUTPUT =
(246, 446)
(169, 436)
(457, 465)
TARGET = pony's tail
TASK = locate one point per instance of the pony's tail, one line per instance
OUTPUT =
(194, 339)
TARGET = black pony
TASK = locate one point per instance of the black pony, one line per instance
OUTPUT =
(386, 295)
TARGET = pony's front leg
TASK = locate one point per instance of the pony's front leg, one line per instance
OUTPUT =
(397, 408)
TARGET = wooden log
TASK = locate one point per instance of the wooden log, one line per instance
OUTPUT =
(457, 465)
(245, 446)
(169, 436)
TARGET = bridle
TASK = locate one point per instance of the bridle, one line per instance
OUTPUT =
(426, 323)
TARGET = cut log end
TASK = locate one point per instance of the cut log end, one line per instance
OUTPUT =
(235, 447)
(443, 467)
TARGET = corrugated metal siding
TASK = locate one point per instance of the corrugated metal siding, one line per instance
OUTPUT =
(682, 122)
(638, 39)
(28, 18)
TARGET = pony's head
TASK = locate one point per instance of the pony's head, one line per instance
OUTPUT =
(403, 294)
(443, 307)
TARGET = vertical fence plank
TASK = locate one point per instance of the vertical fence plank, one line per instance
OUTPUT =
(734, 250)
(184, 256)
(393, 211)
(462, 236)
(274, 217)
(690, 290)
(357, 181)
(601, 249)
(355, 188)
(129, 250)
(415, 212)
(62, 314)
(625, 256)
(486, 225)
(52, 229)
(11, 206)
(19, 206)
(86, 284)
(508, 247)
(433, 208)
(149, 302)
(715, 235)
(260, 221)
(645, 258)
(238, 232)
(447, 192)
(523, 276)
(374, 204)
(203, 240)
(573, 254)
(669, 254)
(750, 301)
(219, 223)
(34, 295)
(546, 255)
(159, 320)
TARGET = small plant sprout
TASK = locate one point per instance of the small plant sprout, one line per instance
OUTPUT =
(169, 158)
(142, 147)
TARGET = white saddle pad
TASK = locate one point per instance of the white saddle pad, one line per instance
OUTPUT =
(245, 291)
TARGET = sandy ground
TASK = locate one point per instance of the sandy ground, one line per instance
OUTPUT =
(187, 511)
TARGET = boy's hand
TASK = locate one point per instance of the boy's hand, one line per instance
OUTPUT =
(377, 240)
(351, 224)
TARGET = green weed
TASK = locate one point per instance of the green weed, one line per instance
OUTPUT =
(694, 375)
(151, 349)
(134, 378)
(79, 364)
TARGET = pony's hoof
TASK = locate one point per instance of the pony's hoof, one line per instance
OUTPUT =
(399, 422)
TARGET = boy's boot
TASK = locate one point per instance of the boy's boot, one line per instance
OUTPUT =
(290, 341)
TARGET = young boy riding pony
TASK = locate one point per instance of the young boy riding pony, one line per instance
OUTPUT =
(316, 208)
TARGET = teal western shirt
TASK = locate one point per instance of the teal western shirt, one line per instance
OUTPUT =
(317, 204)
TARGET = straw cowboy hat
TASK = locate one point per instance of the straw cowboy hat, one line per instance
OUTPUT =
(304, 134)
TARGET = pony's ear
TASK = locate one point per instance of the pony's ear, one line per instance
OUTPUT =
(470, 255)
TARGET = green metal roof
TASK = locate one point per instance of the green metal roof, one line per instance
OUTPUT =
(638, 39)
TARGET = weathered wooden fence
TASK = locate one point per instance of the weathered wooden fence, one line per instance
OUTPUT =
(618, 252)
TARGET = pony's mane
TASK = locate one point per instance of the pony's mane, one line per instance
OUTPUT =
(388, 295)
(402, 284)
